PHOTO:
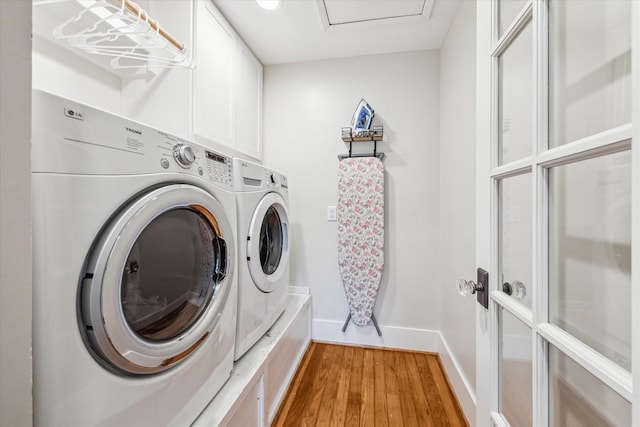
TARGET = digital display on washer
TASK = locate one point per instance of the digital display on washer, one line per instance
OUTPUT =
(214, 156)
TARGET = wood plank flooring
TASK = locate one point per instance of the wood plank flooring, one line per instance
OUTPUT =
(339, 385)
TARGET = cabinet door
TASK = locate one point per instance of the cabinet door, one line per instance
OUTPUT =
(249, 102)
(251, 410)
(213, 91)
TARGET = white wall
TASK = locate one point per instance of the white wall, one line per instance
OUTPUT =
(162, 97)
(158, 97)
(62, 71)
(15, 221)
(305, 106)
(457, 202)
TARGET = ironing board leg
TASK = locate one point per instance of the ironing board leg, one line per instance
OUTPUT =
(373, 319)
(344, 328)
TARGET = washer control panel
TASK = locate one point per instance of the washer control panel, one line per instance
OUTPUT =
(177, 154)
(184, 155)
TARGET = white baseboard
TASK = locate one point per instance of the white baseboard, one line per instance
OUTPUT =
(392, 336)
(461, 387)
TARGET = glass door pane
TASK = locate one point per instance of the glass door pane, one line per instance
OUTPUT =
(515, 68)
(271, 241)
(508, 11)
(515, 237)
(168, 280)
(515, 351)
(578, 399)
(590, 68)
(590, 253)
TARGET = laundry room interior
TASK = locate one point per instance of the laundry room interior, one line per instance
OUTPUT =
(271, 98)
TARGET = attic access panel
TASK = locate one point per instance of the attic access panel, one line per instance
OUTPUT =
(340, 12)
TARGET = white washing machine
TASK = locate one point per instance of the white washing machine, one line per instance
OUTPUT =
(263, 250)
(134, 270)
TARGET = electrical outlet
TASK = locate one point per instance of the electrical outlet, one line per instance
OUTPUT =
(332, 214)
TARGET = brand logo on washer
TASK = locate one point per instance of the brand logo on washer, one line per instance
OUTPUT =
(137, 132)
(74, 114)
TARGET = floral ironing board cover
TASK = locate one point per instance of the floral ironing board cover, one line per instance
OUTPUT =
(361, 233)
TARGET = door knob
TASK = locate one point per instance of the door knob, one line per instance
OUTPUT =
(515, 289)
(479, 287)
(468, 287)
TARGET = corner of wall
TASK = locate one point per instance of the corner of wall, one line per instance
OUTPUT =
(458, 381)
(457, 206)
(16, 404)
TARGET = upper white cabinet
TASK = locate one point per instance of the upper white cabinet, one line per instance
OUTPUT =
(213, 92)
(249, 102)
(227, 86)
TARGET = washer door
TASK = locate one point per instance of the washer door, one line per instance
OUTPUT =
(157, 280)
(268, 242)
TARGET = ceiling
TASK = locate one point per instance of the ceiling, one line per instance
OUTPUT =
(305, 30)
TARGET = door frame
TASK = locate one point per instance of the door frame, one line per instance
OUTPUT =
(486, 196)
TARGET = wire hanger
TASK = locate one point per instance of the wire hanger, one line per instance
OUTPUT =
(123, 30)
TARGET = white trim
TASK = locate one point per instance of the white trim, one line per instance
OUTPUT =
(519, 167)
(499, 420)
(517, 309)
(495, 354)
(614, 376)
(392, 336)
(461, 387)
(513, 31)
(635, 208)
(540, 112)
(327, 26)
(322, 14)
(609, 141)
(485, 104)
(540, 375)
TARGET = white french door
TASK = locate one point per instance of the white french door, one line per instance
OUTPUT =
(558, 212)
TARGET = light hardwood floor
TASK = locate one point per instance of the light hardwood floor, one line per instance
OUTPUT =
(338, 385)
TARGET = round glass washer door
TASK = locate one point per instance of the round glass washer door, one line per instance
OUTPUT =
(157, 280)
(268, 242)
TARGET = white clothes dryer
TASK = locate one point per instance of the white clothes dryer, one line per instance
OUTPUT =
(263, 251)
(135, 291)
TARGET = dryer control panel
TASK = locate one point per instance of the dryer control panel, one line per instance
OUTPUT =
(271, 179)
(275, 180)
(219, 168)
(75, 138)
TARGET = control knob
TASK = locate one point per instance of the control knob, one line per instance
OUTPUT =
(184, 155)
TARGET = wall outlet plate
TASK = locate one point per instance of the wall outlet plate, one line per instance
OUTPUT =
(332, 213)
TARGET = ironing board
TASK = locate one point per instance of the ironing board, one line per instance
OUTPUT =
(361, 235)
